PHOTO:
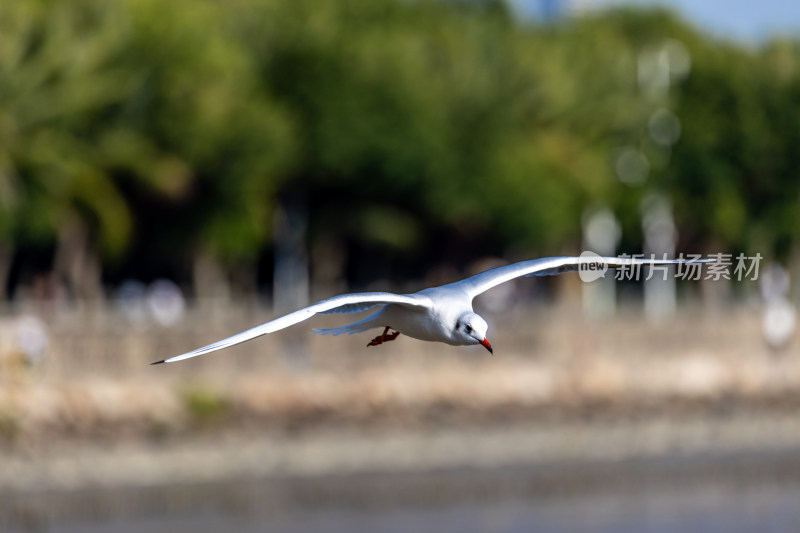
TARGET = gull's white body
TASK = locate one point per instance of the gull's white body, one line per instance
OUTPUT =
(439, 314)
(431, 320)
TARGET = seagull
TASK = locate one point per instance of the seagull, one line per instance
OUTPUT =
(438, 314)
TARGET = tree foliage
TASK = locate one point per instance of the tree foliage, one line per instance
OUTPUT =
(175, 129)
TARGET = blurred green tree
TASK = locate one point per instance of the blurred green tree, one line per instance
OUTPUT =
(53, 189)
(140, 131)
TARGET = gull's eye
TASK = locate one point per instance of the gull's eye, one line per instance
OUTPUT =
(468, 329)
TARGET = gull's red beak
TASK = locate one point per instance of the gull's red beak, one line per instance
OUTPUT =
(486, 345)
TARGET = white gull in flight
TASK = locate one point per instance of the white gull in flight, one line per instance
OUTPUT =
(441, 314)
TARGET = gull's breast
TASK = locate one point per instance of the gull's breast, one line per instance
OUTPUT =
(423, 324)
(433, 323)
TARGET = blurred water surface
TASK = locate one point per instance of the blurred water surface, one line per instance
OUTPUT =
(736, 493)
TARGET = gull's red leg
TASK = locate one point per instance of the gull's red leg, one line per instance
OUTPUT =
(384, 337)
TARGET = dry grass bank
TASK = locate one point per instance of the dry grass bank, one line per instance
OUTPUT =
(549, 364)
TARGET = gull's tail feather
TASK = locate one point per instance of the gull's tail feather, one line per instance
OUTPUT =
(368, 323)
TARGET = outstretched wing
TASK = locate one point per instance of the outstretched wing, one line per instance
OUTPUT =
(345, 303)
(550, 266)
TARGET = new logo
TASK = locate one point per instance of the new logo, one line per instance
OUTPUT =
(591, 267)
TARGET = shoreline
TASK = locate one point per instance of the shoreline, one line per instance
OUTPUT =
(267, 478)
(216, 456)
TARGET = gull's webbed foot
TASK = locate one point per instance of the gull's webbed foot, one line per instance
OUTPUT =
(384, 337)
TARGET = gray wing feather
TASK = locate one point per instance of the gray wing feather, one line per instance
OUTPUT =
(351, 308)
(551, 266)
(346, 303)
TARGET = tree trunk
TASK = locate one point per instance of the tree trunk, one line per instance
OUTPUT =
(77, 263)
(291, 278)
(6, 254)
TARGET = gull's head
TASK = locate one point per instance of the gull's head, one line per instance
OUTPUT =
(471, 328)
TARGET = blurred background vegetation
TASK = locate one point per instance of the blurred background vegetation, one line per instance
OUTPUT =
(143, 139)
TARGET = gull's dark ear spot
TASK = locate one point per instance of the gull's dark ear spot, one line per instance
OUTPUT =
(458, 324)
